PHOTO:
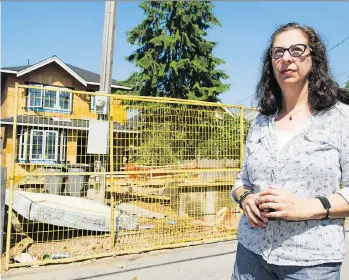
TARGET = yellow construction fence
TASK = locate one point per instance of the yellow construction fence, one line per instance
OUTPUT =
(138, 174)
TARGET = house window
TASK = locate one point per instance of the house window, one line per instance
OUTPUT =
(63, 147)
(35, 98)
(65, 100)
(50, 143)
(22, 144)
(50, 99)
(47, 146)
(43, 145)
(36, 144)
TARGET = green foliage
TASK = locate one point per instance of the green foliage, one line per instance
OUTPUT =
(173, 55)
(170, 135)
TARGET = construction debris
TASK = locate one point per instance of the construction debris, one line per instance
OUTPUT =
(19, 247)
(24, 258)
(69, 211)
(134, 210)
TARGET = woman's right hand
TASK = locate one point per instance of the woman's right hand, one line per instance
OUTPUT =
(253, 213)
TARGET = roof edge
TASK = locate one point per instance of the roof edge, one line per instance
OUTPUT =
(48, 61)
(8, 71)
(64, 66)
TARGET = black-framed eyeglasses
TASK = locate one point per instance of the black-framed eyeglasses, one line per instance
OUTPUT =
(295, 51)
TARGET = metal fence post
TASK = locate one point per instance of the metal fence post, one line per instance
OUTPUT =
(111, 171)
(3, 196)
(242, 135)
(12, 177)
(242, 143)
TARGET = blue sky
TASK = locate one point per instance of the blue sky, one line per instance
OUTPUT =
(73, 31)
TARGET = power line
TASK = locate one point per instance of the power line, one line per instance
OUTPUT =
(253, 94)
(327, 51)
(338, 44)
(245, 98)
(341, 74)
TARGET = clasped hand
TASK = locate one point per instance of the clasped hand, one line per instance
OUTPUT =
(274, 203)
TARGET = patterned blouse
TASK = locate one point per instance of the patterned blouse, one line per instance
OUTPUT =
(314, 162)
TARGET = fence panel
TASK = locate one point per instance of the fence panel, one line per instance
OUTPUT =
(152, 173)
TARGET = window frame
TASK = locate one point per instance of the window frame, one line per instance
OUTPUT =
(70, 99)
(29, 94)
(63, 147)
(44, 96)
(57, 107)
(44, 140)
(23, 145)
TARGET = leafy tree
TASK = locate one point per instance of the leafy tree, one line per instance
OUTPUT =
(171, 135)
(174, 56)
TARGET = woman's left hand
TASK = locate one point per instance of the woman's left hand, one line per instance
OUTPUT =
(286, 205)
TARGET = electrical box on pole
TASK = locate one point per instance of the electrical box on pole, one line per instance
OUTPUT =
(102, 102)
(100, 145)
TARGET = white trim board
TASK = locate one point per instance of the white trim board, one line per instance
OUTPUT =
(8, 71)
(48, 61)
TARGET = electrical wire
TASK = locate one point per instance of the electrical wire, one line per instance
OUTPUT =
(327, 52)
(338, 44)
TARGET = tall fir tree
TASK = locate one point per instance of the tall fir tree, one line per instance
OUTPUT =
(174, 57)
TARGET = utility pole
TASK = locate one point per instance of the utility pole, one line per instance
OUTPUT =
(107, 56)
(103, 102)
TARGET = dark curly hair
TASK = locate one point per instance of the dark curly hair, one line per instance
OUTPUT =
(324, 92)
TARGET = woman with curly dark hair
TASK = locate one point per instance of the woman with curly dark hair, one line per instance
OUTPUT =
(294, 183)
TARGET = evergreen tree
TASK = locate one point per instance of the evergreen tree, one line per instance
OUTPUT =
(174, 56)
